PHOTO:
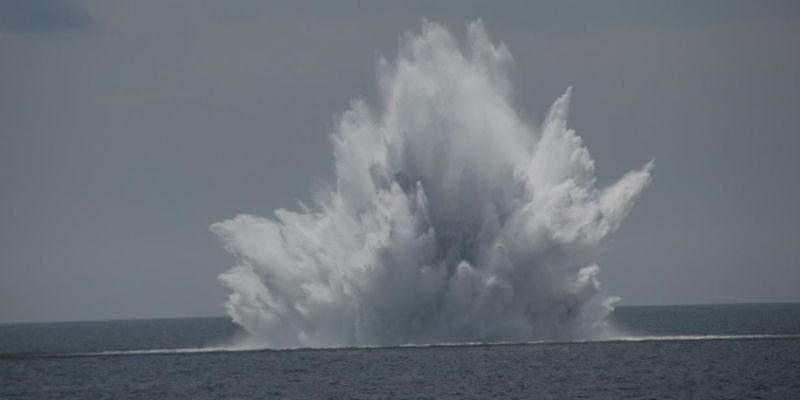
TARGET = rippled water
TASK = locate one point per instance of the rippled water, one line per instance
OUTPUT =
(704, 352)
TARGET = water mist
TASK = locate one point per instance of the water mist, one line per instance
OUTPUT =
(451, 220)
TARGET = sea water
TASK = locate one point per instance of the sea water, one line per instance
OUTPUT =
(664, 352)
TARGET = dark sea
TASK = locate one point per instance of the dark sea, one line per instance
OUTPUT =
(670, 352)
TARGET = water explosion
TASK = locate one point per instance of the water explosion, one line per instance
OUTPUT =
(451, 220)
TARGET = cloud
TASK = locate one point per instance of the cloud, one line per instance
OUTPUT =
(44, 16)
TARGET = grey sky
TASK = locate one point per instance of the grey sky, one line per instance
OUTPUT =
(126, 128)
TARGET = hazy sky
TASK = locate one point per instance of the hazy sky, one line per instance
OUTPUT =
(127, 127)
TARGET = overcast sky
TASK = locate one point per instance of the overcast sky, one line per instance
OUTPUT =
(127, 127)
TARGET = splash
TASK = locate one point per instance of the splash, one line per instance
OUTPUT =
(452, 221)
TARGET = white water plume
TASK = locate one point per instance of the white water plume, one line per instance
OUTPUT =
(451, 220)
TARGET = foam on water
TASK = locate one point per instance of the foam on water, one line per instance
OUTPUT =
(452, 219)
(239, 349)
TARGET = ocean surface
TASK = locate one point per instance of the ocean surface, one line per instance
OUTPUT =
(667, 352)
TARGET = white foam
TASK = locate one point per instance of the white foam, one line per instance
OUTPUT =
(201, 350)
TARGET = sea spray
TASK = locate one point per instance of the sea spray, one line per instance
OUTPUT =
(451, 220)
